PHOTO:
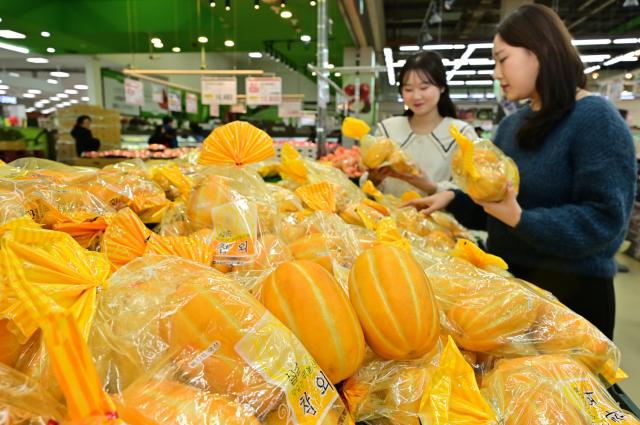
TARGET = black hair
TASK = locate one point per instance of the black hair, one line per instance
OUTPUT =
(167, 119)
(540, 30)
(81, 119)
(624, 113)
(429, 66)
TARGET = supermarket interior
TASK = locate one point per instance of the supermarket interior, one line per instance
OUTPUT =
(320, 212)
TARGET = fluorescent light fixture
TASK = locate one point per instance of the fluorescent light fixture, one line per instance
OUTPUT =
(313, 74)
(13, 48)
(60, 105)
(459, 96)
(158, 45)
(331, 66)
(481, 61)
(54, 98)
(337, 74)
(45, 34)
(255, 55)
(490, 96)
(34, 91)
(62, 95)
(456, 83)
(52, 81)
(51, 50)
(481, 45)
(44, 101)
(388, 60)
(155, 40)
(30, 110)
(443, 47)
(37, 60)
(4, 87)
(85, 98)
(229, 43)
(28, 95)
(3, 92)
(12, 34)
(71, 91)
(202, 39)
(81, 86)
(465, 72)
(628, 75)
(478, 83)
(312, 3)
(400, 63)
(627, 57)
(286, 14)
(409, 48)
(477, 95)
(14, 74)
(48, 111)
(175, 49)
(594, 58)
(59, 74)
(74, 101)
(592, 42)
(485, 72)
(305, 38)
(626, 41)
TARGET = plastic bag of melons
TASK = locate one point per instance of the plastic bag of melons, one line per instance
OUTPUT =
(550, 389)
(219, 337)
(38, 168)
(481, 169)
(502, 316)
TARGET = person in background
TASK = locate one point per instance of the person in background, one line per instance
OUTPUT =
(157, 138)
(577, 168)
(82, 134)
(170, 133)
(423, 131)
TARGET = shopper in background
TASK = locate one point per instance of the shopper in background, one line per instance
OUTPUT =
(170, 133)
(157, 137)
(423, 131)
(82, 134)
(577, 168)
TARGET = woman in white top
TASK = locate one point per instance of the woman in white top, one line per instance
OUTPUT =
(423, 131)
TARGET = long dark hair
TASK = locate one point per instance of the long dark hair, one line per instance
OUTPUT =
(539, 29)
(429, 66)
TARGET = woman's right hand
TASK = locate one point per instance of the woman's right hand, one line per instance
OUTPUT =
(378, 175)
(432, 203)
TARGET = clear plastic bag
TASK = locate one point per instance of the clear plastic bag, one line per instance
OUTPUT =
(159, 306)
(550, 389)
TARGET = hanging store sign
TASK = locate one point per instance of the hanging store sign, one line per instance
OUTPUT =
(219, 90)
(290, 109)
(133, 92)
(192, 103)
(175, 101)
(157, 92)
(263, 90)
(214, 110)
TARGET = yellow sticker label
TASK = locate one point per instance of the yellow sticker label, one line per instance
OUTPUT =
(235, 229)
(274, 351)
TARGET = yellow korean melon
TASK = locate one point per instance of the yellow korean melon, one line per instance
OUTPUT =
(315, 247)
(309, 301)
(213, 192)
(394, 303)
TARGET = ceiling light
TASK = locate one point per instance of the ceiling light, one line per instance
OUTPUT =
(594, 58)
(202, 39)
(158, 45)
(73, 101)
(54, 98)
(84, 98)
(45, 34)
(305, 38)
(3, 92)
(442, 47)
(477, 95)
(481, 45)
(485, 72)
(458, 96)
(28, 95)
(59, 74)
(52, 81)
(312, 3)
(409, 48)
(456, 83)
(71, 91)
(13, 48)
(81, 87)
(227, 6)
(591, 42)
(51, 50)
(34, 91)
(388, 60)
(400, 63)
(466, 72)
(628, 75)
(627, 57)
(337, 74)
(256, 4)
(62, 95)
(331, 66)
(229, 43)
(11, 34)
(212, 3)
(255, 55)
(155, 40)
(595, 75)
(283, 3)
(4, 87)
(313, 73)
(478, 83)
(30, 110)
(626, 41)
(286, 14)
(481, 61)
(37, 60)
(44, 101)
(14, 74)
(435, 19)
(630, 3)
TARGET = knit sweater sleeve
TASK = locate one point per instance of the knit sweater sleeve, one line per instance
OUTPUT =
(602, 192)
(467, 212)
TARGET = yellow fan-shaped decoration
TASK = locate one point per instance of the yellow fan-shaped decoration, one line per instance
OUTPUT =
(125, 238)
(292, 166)
(319, 196)
(85, 233)
(467, 149)
(387, 232)
(236, 143)
(20, 222)
(370, 189)
(289, 153)
(355, 128)
(191, 247)
(469, 251)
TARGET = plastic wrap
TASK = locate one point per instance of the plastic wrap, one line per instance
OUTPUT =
(172, 180)
(125, 238)
(44, 169)
(550, 389)
(502, 316)
(481, 169)
(168, 306)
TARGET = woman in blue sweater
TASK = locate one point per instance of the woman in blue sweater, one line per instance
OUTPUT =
(577, 167)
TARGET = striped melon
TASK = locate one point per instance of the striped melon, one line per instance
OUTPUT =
(211, 193)
(309, 301)
(315, 247)
(394, 303)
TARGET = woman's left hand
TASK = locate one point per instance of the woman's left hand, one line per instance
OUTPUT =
(507, 211)
(421, 181)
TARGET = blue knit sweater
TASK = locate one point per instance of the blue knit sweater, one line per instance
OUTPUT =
(576, 193)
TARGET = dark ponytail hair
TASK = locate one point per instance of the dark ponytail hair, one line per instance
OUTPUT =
(539, 29)
(429, 66)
